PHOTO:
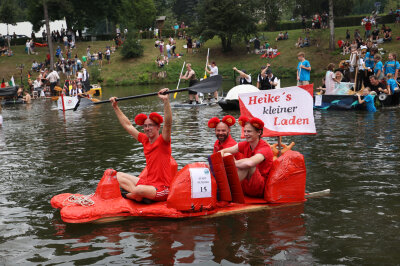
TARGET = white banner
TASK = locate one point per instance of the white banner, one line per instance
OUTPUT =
(69, 102)
(285, 111)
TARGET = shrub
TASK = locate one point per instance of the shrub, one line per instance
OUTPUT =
(95, 75)
(132, 48)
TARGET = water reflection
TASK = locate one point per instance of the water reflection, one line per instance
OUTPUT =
(265, 237)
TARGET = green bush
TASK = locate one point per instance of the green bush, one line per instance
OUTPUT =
(95, 75)
(132, 48)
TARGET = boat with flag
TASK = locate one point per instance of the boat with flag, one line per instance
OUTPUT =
(210, 189)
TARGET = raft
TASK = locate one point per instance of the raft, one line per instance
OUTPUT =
(199, 190)
(350, 102)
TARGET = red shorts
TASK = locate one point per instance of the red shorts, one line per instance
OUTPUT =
(254, 187)
(161, 190)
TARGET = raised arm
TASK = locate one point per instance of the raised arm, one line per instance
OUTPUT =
(167, 128)
(123, 120)
(241, 73)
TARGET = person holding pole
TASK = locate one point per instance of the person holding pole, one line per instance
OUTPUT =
(213, 71)
(191, 76)
(157, 150)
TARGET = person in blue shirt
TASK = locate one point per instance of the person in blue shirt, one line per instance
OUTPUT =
(391, 84)
(303, 70)
(378, 67)
(58, 51)
(392, 66)
(368, 100)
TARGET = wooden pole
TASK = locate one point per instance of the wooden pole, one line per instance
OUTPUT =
(279, 146)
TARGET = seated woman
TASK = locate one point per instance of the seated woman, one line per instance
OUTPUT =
(299, 42)
(254, 168)
(346, 48)
(280, 36)
(286, 36)
(387, 37)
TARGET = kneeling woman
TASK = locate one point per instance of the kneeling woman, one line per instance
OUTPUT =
(254, 168)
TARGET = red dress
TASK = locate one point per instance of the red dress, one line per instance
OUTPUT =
(254, 186)
(158, 160)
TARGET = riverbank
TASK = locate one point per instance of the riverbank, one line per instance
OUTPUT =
(122, 72)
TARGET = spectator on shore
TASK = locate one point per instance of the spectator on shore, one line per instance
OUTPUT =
(299, 42)
(189, 44)
(303, 70)
(108, 55)
(387, 36)
(368, 26)
(280, 36)
(53, 78)
(161, 47)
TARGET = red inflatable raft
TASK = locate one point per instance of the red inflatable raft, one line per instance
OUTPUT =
(197, 190)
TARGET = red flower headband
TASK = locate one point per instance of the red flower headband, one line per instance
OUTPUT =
(155, 117)
(228, 120)
(255, 122)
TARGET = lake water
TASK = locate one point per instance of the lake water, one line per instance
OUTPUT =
(44, 153)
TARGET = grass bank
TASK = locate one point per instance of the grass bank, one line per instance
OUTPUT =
(144, 70)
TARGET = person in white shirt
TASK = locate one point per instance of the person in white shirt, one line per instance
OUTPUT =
(37, 85)
(108, 54)
(168, 47)
(53, 77)
(213, 71)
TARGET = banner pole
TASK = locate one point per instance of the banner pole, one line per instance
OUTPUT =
(279, 146)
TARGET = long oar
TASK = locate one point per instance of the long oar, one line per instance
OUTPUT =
(179, 81)
(209, 85)
(208, 54)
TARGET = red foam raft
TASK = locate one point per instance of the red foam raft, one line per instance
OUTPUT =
(193, 193)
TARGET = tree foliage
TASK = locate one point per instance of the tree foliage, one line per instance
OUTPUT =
(8, 12)
(227, 19)
(185, 10)
(272, 10)
(310, 7)
(132, 48)
(139, 14)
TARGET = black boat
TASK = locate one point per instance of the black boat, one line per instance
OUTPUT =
(231, 101)
(9, 91)
(350, 102)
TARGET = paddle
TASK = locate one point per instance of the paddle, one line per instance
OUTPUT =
(208, 85)
(208, 54)
(179, 81)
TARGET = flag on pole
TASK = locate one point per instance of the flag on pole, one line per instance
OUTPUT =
(11, 82)
(3, 84)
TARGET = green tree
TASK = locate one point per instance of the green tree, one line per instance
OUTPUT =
(139, 14)
(185, 10)
(226, 19)
(272, 11)
(8, 15)
(310, 7)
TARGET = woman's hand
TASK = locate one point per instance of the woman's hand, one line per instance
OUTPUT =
(114, 102)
